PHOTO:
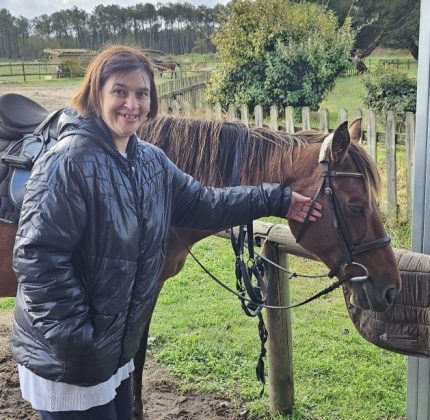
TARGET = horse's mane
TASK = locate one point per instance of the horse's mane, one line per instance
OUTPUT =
(206, 149)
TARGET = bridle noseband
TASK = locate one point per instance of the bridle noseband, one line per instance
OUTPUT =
(349, 249)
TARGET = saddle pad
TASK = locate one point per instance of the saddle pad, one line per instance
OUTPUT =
(405, 327)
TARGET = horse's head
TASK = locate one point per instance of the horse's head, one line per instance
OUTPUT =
(350, 237)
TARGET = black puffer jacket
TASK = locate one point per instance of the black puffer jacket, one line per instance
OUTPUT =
(91, 245)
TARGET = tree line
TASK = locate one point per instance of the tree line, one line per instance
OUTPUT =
(178, 28)
(182, 28)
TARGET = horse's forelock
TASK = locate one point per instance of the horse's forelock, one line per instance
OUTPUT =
(362, 159)
(368, 168)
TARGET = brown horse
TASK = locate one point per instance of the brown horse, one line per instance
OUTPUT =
(206, 150)
(167, 65)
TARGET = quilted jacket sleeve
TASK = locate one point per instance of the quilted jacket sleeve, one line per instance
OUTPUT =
(202, 207)
(52, 221)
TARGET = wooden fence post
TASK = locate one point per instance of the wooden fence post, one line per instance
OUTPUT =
(390, 141)
(371, 135)
(258, 112)
(410, 148)
(274, 118)
(218, 112)
(356, 114)
(306, 118)
(280, 357)
(324, 124)
(232, 112)
(23, 72)
(244, 117)
(289, 119)
(187, 109)
(343, 115)
(208, 111)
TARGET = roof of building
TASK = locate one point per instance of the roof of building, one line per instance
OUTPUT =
(68, 51)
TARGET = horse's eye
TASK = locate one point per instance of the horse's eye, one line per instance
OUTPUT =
(355, 209)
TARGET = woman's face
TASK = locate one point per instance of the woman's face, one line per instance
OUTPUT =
(125, 104)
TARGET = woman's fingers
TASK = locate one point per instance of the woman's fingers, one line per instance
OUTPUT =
(301, 206)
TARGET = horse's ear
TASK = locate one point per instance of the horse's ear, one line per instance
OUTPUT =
(340, 142)
(355, 130)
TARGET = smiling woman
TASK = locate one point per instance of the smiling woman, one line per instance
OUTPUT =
(126, 104)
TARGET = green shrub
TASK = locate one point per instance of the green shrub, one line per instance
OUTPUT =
(278, 52)
(390, 90)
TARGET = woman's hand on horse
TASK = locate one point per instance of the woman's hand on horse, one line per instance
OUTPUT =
(300, 206)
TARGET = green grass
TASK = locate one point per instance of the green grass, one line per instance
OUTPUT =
(347, 93)
(6, 304)
(200, 334)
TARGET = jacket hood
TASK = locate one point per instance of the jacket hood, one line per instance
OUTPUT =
(71, 123)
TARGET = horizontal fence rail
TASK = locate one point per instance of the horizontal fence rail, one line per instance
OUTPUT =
(25, 71)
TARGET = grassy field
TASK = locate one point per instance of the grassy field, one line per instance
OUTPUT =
(201, 335)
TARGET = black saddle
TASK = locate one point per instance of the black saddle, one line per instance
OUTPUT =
(28, 130)
(19, 115)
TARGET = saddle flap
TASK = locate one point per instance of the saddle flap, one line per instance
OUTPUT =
(16, 189)
(33, 147)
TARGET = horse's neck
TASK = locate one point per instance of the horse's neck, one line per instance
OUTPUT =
(302, 170)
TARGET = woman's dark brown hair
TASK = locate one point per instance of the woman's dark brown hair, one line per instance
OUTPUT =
(114, 60)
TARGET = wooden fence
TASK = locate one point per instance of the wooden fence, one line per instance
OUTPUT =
(400, 64)
(18, 72)
(390, 149)
(187, 90)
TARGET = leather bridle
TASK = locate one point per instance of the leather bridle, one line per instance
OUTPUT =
(349, 249)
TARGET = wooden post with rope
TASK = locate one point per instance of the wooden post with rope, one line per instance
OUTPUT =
(280, 342)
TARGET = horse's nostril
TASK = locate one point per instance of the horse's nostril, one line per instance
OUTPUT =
(391, 295)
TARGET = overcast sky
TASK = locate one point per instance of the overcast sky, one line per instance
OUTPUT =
(33, 8)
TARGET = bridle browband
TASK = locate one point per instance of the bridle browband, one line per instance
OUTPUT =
(349, 249)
